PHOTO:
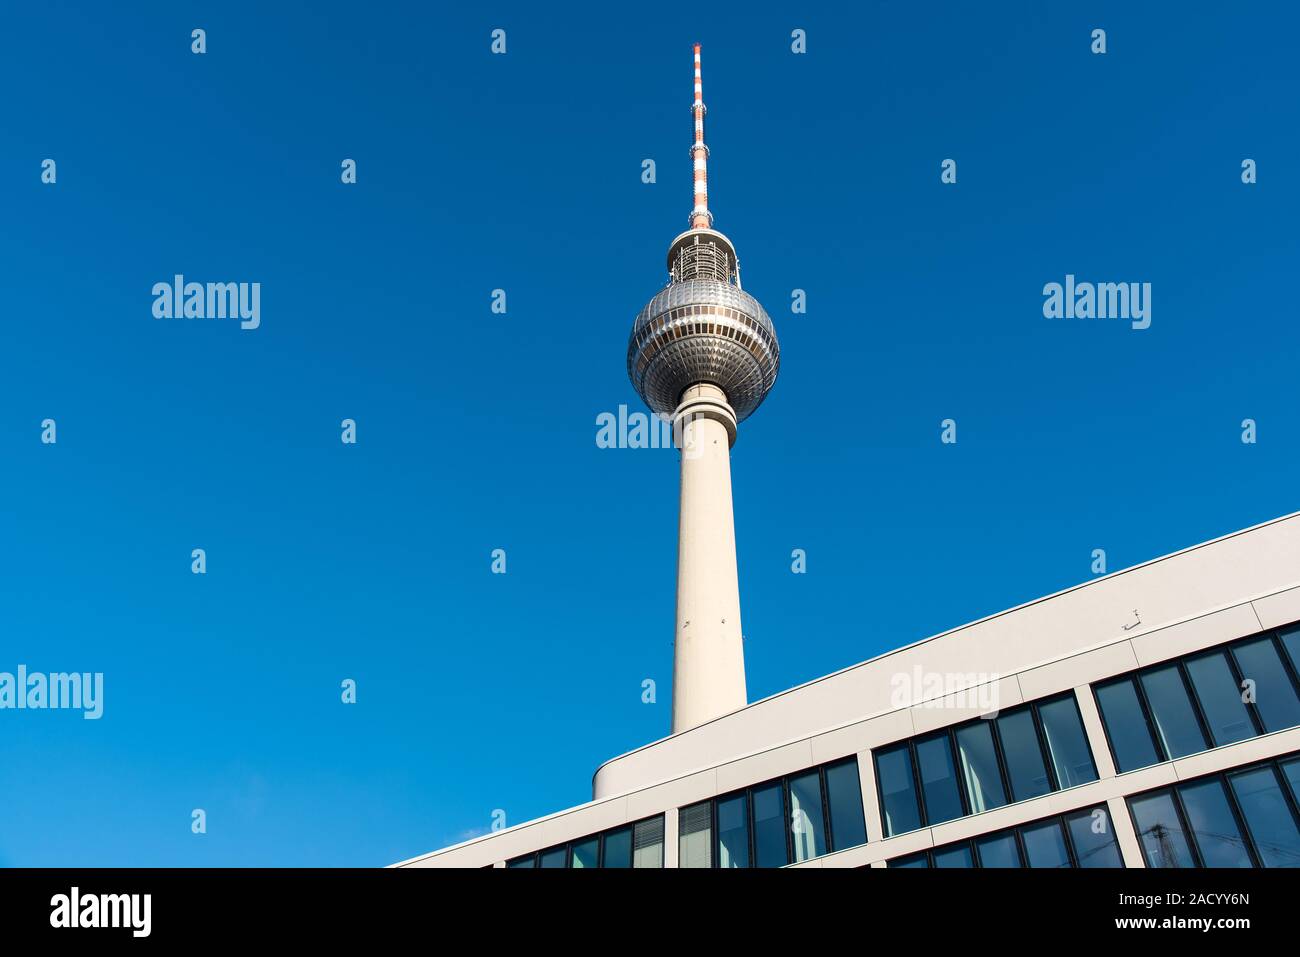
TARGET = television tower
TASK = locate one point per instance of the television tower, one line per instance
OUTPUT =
(704, 352)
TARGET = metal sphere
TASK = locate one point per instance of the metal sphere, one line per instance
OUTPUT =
(703, 330)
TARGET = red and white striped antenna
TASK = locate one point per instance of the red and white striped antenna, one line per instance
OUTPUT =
(701, 218)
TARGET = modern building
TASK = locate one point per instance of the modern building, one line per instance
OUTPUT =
(1146, 718)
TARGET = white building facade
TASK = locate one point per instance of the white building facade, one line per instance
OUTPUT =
(1149, 718)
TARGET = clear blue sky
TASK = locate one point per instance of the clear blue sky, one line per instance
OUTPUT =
(477, 431)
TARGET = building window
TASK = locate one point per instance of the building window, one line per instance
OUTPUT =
(1131, 742)
(998, 850)
(775, 823)
(1093, 839)
(912, 860)
(807, 821)
(1270, 815)
(1178, 732)
(1220, 693)
(1080, 839)
(1214, 824)
(733, 831)
(1247, 817)
(979, 765)
(587, 853)
(648, 843)
(632, 845)
(769, 826)
(695, 837)
(956, 855)
(1045, 844)
(617, 849)
(897, 783)
(1208, 699)
(938, 773)
(556, 857)
(844, 794)
(1161, 831)
(1276, 701)
(1291, 642)
(1067, 744)
(1026, 769)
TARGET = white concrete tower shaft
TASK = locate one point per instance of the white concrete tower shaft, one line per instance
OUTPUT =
(708, 652)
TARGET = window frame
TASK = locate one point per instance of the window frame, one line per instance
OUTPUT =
(1153, 735)
(998, 756)
(949, 737)
(1062, 831)
(1048, 757)
(1290, 668)
(567, 846)
(783, 787)
(999, 752)
(1224, 777)
(1015, 831)
(1144, 701)
(783, 781)
(630, 829)
(905, 744)
(1284, 788)
(1234, 669)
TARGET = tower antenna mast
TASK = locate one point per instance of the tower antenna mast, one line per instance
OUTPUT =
(701, 218)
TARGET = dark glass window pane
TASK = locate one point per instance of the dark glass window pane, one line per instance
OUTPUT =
(529, 861)
(769, 827)
(938, 779)
(586, 853)
(1025, 767)
(1171, 711)
(1291, 642)
(807, 823)
(1275, 697)
(1126, 726)
(979, 767)
(844, 792)
(1160, 832)
(1220, 698)
(1066, 742)
(733, 832)
(618, 848)
(1291, 770)
(956, 856)
(556, 857)
(648, 843)
(897, 789)
(1045, 845)
(695, 835)
(1213, 826)
(999, 850)
(912, 860)
(1268, 817)
(1094, 838)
